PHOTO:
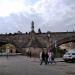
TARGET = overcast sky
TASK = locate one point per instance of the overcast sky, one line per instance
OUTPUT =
(48, 15)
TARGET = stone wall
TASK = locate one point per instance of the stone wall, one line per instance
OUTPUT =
(34, 51)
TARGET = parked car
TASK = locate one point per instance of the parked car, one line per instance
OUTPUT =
(69, 56)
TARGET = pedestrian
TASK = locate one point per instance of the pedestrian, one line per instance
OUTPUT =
(27, 53)
(46, 58)
(7, 52)
(49, 56)
(7, 55)
(30, 54)
(52, 58)
(42, 57)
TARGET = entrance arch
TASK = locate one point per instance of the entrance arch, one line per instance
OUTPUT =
(65, 40)
(58, 50)
(6, 46)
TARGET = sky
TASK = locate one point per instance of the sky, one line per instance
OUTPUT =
(48, 15)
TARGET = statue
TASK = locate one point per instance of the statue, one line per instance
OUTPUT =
(32, 26)
(39, 30)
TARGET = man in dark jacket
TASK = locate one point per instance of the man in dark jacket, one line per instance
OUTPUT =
(46, 58)
(43, 57)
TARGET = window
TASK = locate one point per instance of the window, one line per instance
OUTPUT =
(73, 53)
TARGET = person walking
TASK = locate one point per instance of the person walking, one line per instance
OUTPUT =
(46, 58)
(7, 52)
(49, 56)
(30, 54)
(42, 57)
(52, 58)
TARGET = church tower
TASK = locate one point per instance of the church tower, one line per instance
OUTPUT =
(32, 26)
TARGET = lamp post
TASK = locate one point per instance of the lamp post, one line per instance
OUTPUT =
(49, 39)
(55, 42)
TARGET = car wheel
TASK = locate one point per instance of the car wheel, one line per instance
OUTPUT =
(73, 60)
(66, 60)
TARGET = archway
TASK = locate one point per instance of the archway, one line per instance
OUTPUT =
(7, 47)
(68, 42)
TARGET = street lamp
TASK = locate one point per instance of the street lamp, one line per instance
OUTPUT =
(55, 43)
(49, 39)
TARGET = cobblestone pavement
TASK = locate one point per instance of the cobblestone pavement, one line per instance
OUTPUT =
(21, 65)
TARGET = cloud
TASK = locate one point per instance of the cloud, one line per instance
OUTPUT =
(59, 15)
(13, 6)
(49, 15)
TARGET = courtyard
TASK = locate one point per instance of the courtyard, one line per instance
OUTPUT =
(22, 65)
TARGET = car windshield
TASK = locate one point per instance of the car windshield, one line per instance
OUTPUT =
(73, 53)
(67, 53)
